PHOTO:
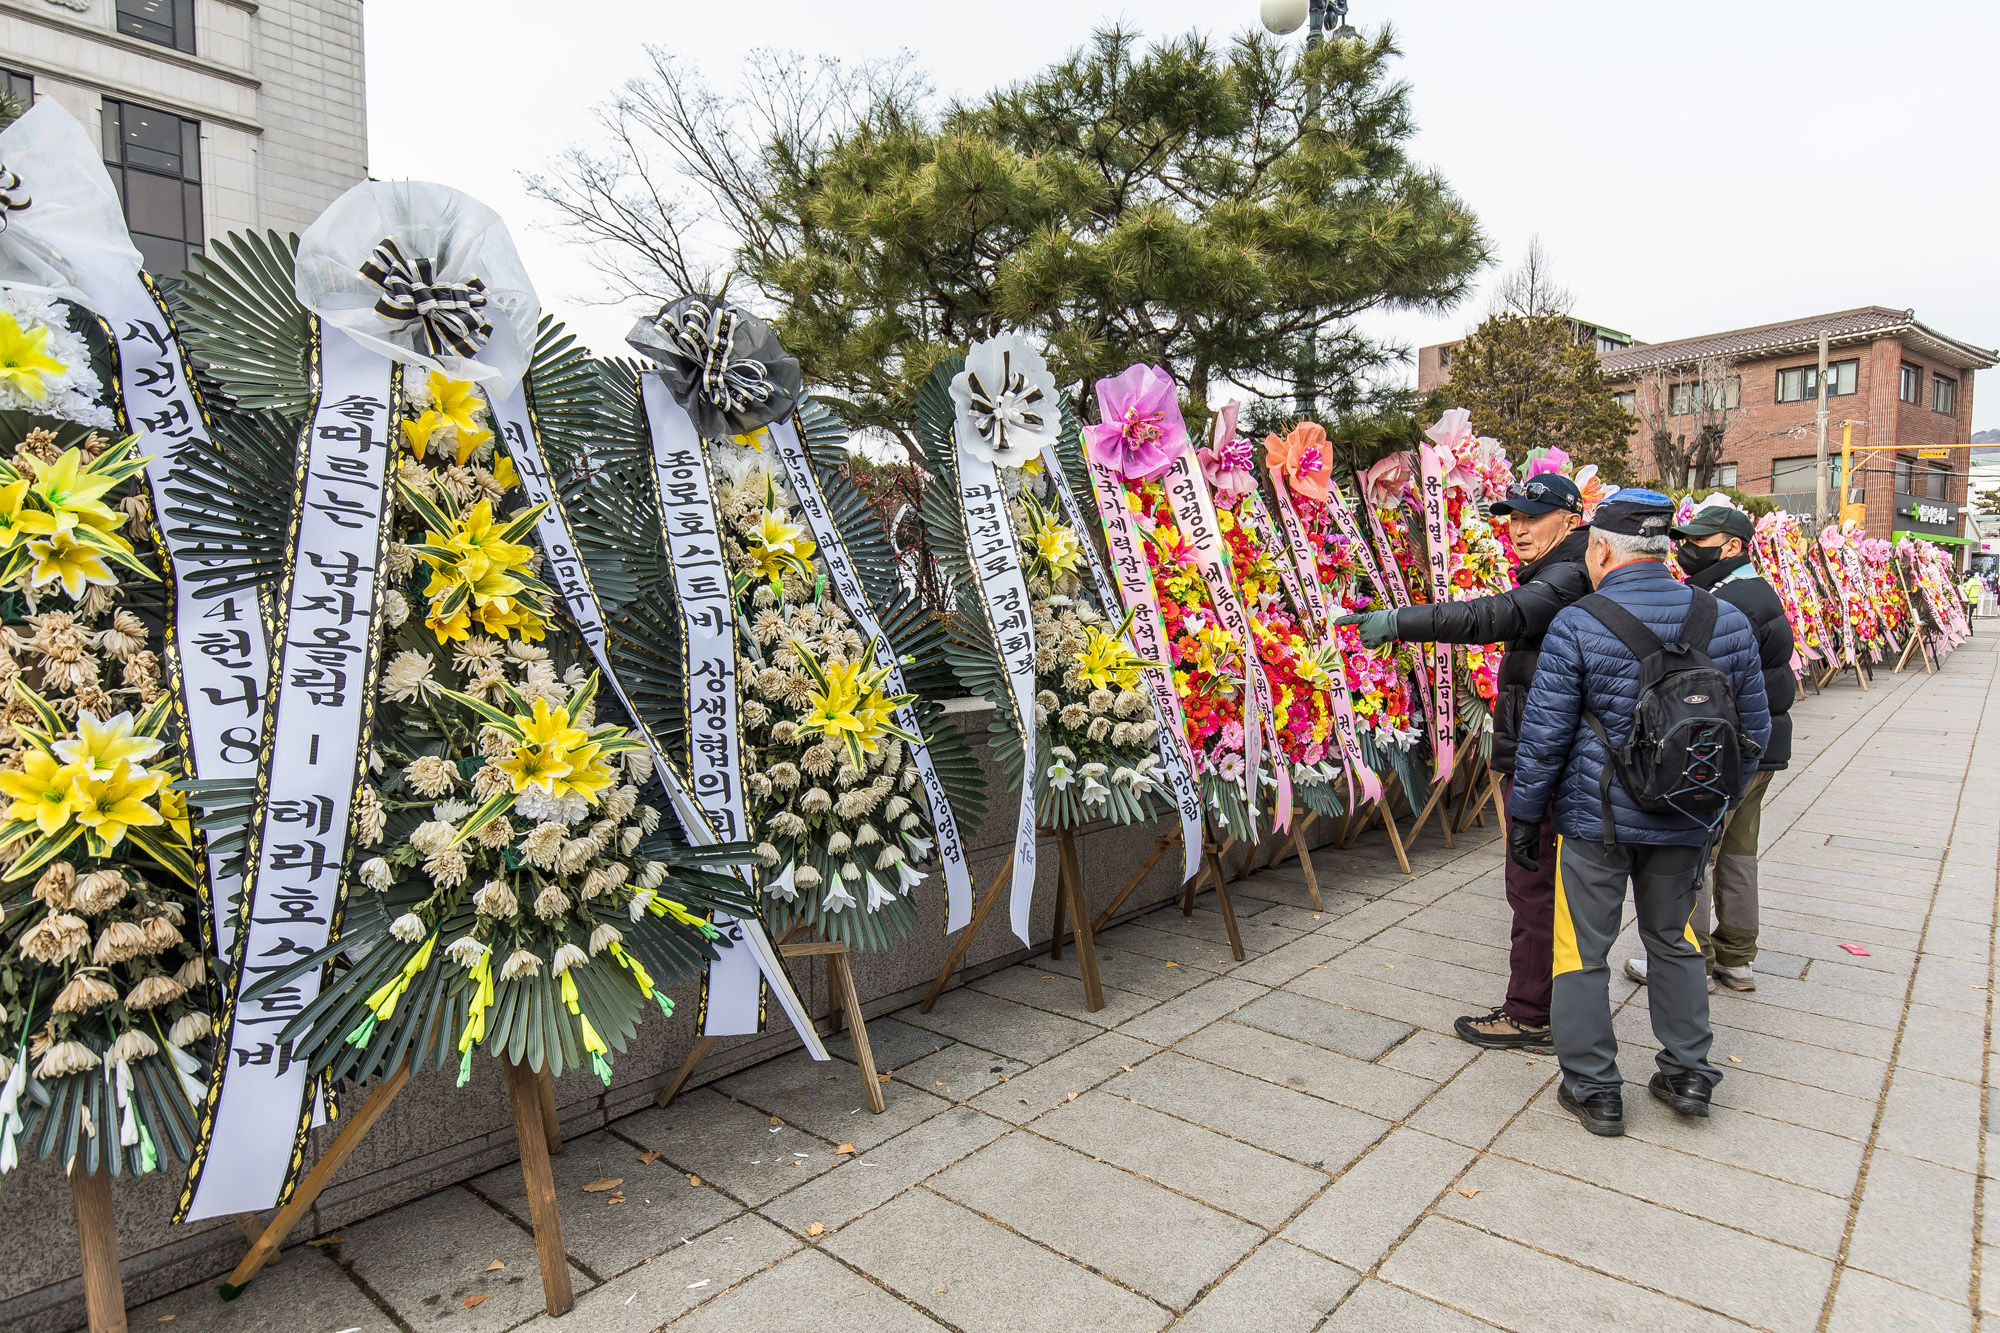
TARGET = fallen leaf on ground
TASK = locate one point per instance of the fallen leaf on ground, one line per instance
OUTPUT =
(325, 1241)
(831, 1078)
(881, 1078)
(471, 1301)
(1857, 951)
(776, 1121)
(816, 1229)
(603, 1183)
(1468, 1193)
(648, 1157)
(845, 1147)
(1390, 966)
(942, 1291)
(1070, 1098)
(168, 1319)
(495, 1266)
(695, 1181)
(692, 1286)
(1347, 1006)
(1734, 1061)
(615, 1198)
(1022, 1100)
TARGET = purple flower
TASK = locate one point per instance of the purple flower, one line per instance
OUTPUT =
(1143, 431)
(1227, 460)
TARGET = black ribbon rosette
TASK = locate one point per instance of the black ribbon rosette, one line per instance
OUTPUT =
(723, 365)
(445, 316)
(13, 195)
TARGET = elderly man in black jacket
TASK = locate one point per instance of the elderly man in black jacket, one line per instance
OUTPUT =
(1544, 517)
(1714, 553)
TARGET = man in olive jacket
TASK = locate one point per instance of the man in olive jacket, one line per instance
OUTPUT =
(1544, 518)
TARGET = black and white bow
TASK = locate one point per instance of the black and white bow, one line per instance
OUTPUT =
(445, 316)
(12, 199)
(1007, 405)
(724, 365)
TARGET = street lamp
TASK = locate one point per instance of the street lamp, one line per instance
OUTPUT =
(1328, 16)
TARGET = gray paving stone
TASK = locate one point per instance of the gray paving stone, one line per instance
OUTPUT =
(1794, 1103)
(960, 1071)
(1155, 1241)
(1194, 1010)
(1309, 1130)
(425, 1258)
(1463, 985)
(801, 1295)
(1477, 1104)
(1130, 970)
(1758, 1281)
(734, 1148)
(1745, 1015)
(1430, 1055)
(1377, 995)
(1221, 1172)
(304, 1293)
(667, 1287)
(1868, 1304)
(892, 1042)
(1376, 1089)
(871, 1178)
(1000, 1026)
(1915, 1225)
(1074, 1072)
(1028, 984)
(980, 1277)
(1289, 960)
(1377, 1307)
(1934, 1118)
(1155, 936)
(1280, 1288)
(1520, 1288)
(1372, 919)
(1377, 1199)
(1208, 926)
(1348, 1031)
(660, 1206)
(826, 1098)
(1789, 965)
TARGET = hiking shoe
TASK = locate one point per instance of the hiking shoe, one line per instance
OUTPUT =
(1602, 1113)
(1688, 1094)
(1736, 978)
(1497, 1031)
(1635, 968)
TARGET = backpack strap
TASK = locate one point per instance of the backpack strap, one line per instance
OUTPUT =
(1699, 626)
(1630, 631)
(1604, 779)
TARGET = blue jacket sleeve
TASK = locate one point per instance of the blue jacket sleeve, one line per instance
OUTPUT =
(1549, 722)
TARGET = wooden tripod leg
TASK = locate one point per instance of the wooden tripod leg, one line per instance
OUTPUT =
(1499, 794)
(1212, 865)
(1057, 911)
(702, 1046)
(1293, 846)
(965, 936)
(1424, 815)
(252, 1227)
(557, 1298)
(308, 1191)
(545, 1096)
(97, 1239)
(1069, 885)
(840, 980)
(1462, 818)
(1228, 910)
(1306, 864)
(1395, 838)
(1160, 846)
(1472, 809)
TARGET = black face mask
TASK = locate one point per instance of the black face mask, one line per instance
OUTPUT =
(1694, 558)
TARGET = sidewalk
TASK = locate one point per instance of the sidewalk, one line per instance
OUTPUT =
(1297, 1141)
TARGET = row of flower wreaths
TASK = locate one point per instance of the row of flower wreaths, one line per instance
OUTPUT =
(384, 679)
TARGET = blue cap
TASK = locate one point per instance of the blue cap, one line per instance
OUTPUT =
(1540, 494)
(1635, 513)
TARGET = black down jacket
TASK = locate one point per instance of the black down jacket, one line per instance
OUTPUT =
(1758, 600)
(1585, 666)
(1518, 618)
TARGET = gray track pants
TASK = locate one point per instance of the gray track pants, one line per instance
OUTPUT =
(1590, 899)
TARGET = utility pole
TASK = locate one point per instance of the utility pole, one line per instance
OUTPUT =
(1823, 499)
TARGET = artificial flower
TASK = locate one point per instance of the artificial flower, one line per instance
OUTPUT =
(1142, 430)
(1304, 458)
(24, 360)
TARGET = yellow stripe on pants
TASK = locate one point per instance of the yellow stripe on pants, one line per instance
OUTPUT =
(1567, 958)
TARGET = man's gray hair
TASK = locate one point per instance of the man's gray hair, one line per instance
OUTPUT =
(1627, 547)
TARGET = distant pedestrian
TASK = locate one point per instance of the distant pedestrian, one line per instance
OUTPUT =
(1645, 721)
(1545, 521)
(1714, 553)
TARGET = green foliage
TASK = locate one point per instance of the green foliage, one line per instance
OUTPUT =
(1986, 501)
(1529, 384)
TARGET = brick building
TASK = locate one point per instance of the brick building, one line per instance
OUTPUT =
(215, 115)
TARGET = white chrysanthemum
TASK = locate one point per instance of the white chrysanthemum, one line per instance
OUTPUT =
(551, 902)
(448, 868)
(409, 928)
(72, 394)
(376, 873)
(408, 677)
(650, 874)
(496, 899)
(520, 963)
(534, 803)
(465, 951)
(395, 608)
(807, 878)
(432, 836)
(628, 839)
(189, 1028)
(620, 802)
(431, 776)
(567, 956)
(66, 1057)
(604, 937)
(838, 844)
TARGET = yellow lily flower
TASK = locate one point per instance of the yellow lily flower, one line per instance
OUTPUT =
(776, 546)
(42, 791)
(533, 766)
(73, 492)
(23, 362)
(174, 809)
(453, 403)
(504, 474)
(99, 747)
(1108, 664)
(117, 802)
(17, 521)
(1057, 551)
(59, 557)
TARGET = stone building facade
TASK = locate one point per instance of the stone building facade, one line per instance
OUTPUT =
(215, 115)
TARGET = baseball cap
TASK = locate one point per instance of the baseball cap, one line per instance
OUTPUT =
(1635, 513)
(1540, 494)
(1719, 518)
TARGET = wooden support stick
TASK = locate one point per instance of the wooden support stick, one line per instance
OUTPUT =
(1212, 863)
(1477, 794)
(545, 1095)
(1160, 846)
(1060, 905)
(702, 1046)
(1306, 861)
(840, 980)
(1459, 820)
(1222, 901)
(97, 1238)
(1424, 815)
(308, 1190)
(1292, 846)
(1499, 795)
(1069, 886)
(557, 1298)
(965, 936)
(1395, 837)
(252, 1227)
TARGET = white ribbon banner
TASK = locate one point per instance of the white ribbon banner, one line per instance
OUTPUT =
(216, 652)
(1437, 548)
(846, 583)
(260, 1100)
(996, 563)
(565, 573)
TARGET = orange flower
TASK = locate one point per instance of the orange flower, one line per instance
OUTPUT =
(1305, 458)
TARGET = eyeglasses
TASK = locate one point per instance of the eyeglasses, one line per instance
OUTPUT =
(1544, 493)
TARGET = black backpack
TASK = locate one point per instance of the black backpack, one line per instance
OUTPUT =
(1685, 752)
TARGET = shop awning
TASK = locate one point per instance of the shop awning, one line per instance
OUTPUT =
(1934, 537)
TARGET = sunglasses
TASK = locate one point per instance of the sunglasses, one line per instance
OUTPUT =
(1543, 493)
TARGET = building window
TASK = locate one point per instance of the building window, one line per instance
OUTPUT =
(1802, 382)
(1627, 399)
(167, 22)
(1723, 395)
(1911, 384)
(1905, 477)
(1722, 475)
(18, 89)
(1944, 395)
(1937, 482)
(155, 160)
(1444, 357)
(1792, 476)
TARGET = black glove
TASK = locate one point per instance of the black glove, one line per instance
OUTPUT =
(1524, 842)
(1375, 627)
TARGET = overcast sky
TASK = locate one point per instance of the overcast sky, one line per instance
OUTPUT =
(1690, 167)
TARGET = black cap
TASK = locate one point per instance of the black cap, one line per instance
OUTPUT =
(1719, 518)
(1635, 513)
(1540, 494)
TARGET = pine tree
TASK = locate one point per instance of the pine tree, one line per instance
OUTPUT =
(1529, 384)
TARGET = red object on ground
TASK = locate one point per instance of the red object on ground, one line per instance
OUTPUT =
(1857, 949)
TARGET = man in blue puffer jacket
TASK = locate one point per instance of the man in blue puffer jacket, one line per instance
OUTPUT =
(1560, 763)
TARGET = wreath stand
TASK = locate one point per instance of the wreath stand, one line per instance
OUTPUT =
(97, 1242)
(532, 1095)
(1294, 845)
(842, 998)
(1359, 821)
(1070, 902)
